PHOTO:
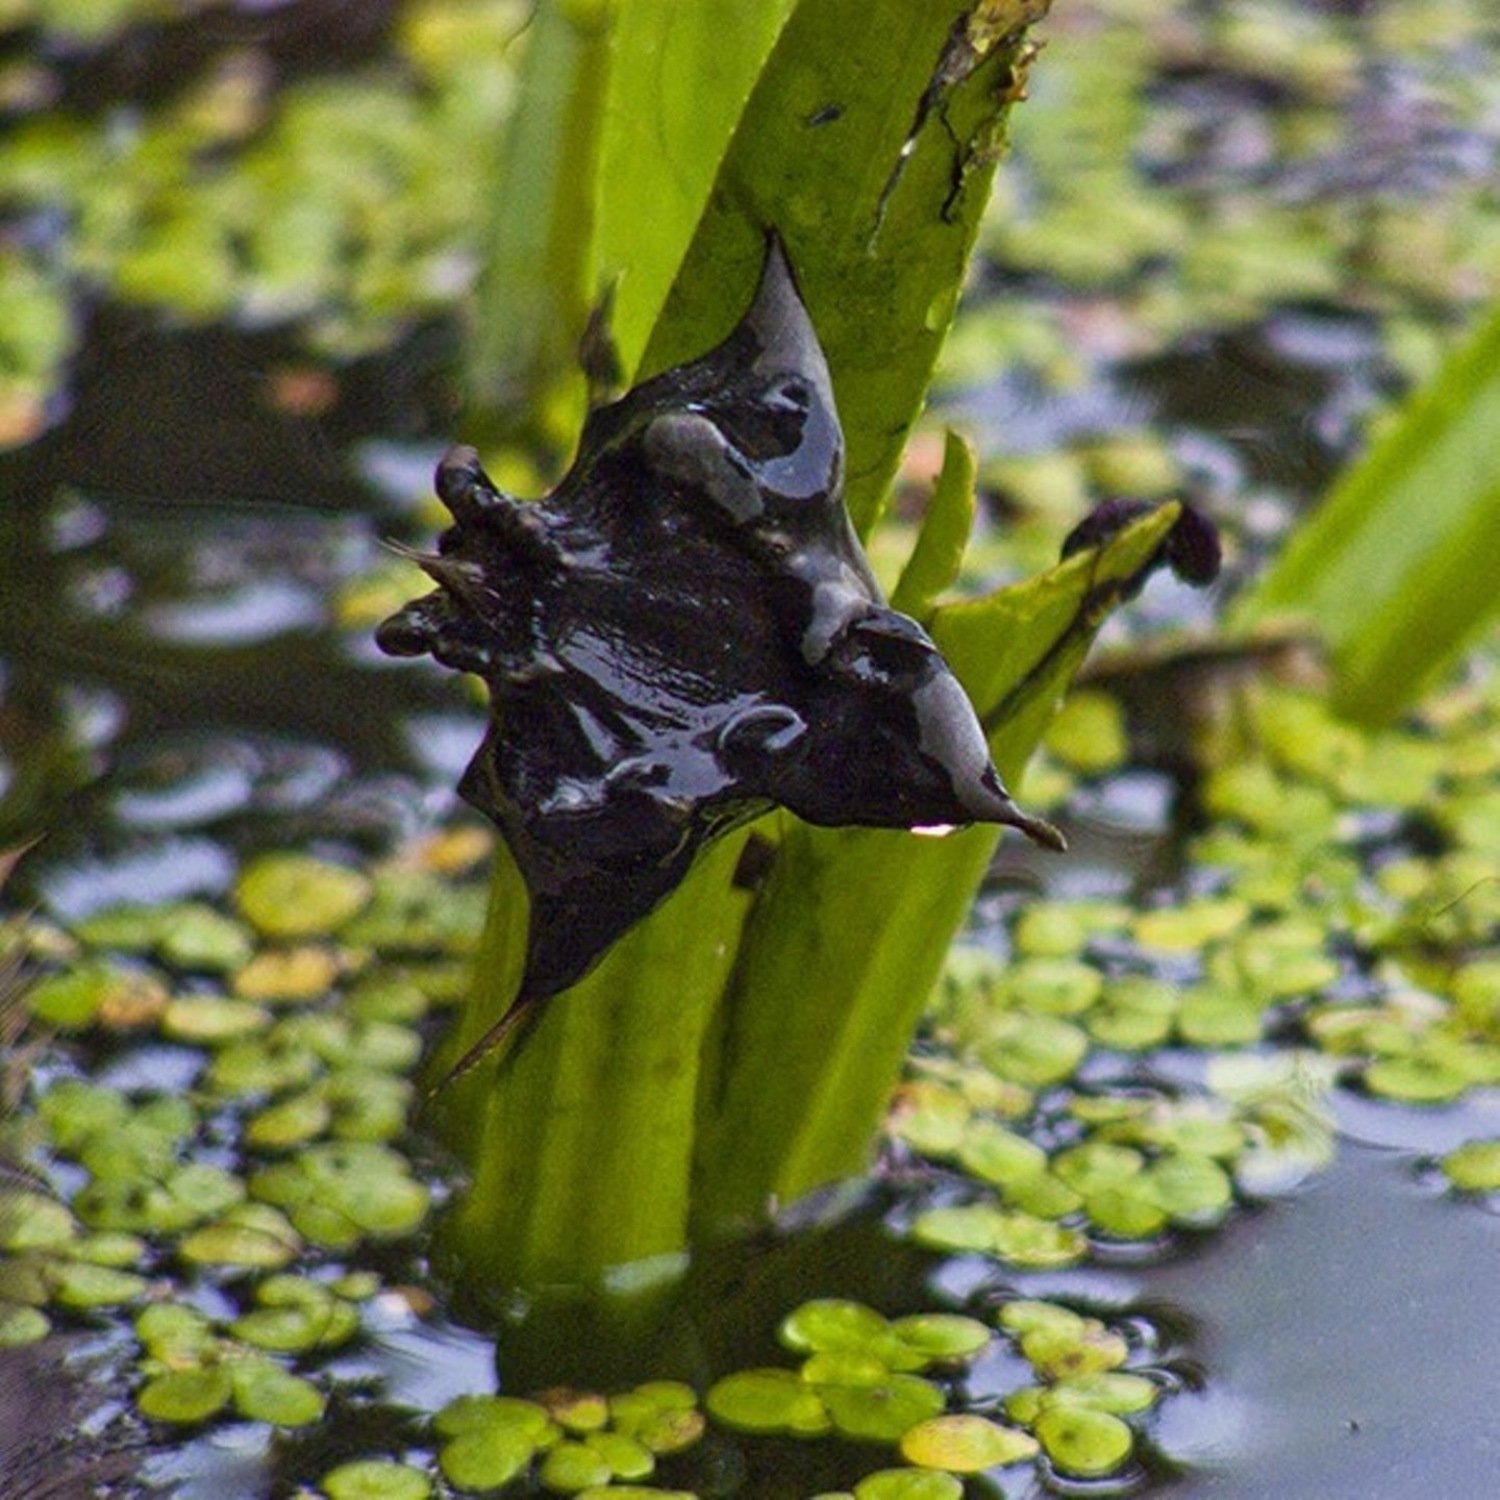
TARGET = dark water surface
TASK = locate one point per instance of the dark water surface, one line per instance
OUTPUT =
(173, 693)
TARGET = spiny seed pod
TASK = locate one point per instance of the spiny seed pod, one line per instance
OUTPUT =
(683, 634)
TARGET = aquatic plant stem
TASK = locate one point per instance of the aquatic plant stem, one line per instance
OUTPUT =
(580, 1141)
(849, 932)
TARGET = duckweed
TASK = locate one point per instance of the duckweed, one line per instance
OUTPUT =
(1474, 1167)
(376, 1479)
(965, 1444)
(291, 895)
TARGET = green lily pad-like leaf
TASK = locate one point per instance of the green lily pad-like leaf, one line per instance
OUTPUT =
(1210, 1016)
(1060, 1351)
(1121, 1029)
(627, 1458)
(1044, 1196)
(296, 1315)
(570, 1466)
(768, 1401)
(1034, 1050)
(285, 976)
(930, 1117)
(1123, 1213)
(942, 1338)
(1188, 928)
(1418, 1078)
(1474, 1167)
(1097, 1165)
(78, 997)
(375, 1479)
(1017, 1237)
(252, 1236)
(187, 1196)
(495, 1414)
(176, 1334)
(880, 1413)
(193, 935)
(79, 1284)
(290, 895)
(31, 1221)
(366, 1105)
(210, 1020)
(991, 1152)
(1027, 1316)
(111, 1248)
(265, 1392)
(74, 1111)
(486, 1458)
(662, 1415)
(1082, 1441)
(909, 1484)
(413, 911)
(22, 1325)
(845, 1367)
(1116, 1391)
(965, 1444)
(24, 1280)
(1194, 1190)
(186, 1396)
(348, 1042)
(830, 1324)
(290, 1122)
(262, 1065)
(577, 1412)
(1025, 1240)
(335, 1193)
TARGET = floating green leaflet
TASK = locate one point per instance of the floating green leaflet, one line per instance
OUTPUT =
(1083, 1441)
(265, 1392)
(289, 895)
(186, 1396)
(965, 1444)
(908, 1484)
(376, 1479)
(1474, 1167)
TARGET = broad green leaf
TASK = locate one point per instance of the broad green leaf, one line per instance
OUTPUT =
(869, 144)
(533, 299)
(848, 933)
(591, 1123)
(679, 78)
(935, 560)
(1394, 569)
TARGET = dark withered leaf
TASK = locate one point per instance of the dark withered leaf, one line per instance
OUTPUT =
(682, 635)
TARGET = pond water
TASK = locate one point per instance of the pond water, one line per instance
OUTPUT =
(186, 679)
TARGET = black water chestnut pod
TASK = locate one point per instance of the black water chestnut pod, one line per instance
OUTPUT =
(683, 634)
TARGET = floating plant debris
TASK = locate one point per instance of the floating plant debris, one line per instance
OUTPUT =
(682, 635)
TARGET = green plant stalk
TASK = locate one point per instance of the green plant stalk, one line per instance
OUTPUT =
(868, 141)
(534, 296)
(679, 80)
(1395, 569)
(848, 936)
(581, 1153)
